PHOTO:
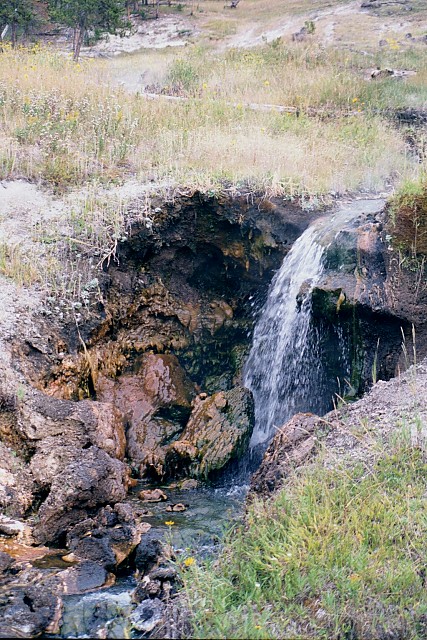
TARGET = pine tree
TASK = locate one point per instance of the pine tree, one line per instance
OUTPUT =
(15, 15)
(85, 15)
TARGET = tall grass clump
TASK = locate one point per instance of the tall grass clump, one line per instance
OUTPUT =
(408, 219)
(335, 554)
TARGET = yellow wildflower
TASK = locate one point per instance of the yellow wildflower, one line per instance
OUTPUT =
(189, 561)
(355, 100)
(169, 523)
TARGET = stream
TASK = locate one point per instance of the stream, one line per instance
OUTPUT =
(196, 532)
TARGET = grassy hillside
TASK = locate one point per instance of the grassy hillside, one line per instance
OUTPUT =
(337, 553)
(63, 125)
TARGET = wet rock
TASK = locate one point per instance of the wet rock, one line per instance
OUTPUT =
(59, 429)
(161, 582)
(152, 495)
(369, 297)
(150, 588)
(108, 538)
(157, 575)
(10, 527)
(84, 577)
(176, 507)
(147, 615)
(150, 552)
(28, 612)
(16, 483)
(189, 484)
(218, 430)
(156, 403)
(163, 573)
(293, 444)
(6, 561)
(95, 479)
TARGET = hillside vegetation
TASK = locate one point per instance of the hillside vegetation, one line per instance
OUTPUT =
(335, 554)
(213, 122)
(63, 126)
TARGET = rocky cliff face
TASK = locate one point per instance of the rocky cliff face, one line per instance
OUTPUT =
(153, 373)
(377, 297)
(174, 323)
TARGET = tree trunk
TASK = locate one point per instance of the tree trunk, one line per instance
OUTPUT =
(14, 34)
(78, 43)
(157, 8)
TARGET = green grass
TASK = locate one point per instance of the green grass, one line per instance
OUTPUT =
(334, 553)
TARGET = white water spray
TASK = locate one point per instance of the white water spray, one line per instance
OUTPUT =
(284, 370)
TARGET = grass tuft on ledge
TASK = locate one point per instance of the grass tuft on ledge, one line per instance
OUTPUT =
(408, 218)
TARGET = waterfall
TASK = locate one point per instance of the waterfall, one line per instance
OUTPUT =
(284, 369)
(276, 371)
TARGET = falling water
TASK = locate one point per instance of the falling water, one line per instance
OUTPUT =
(284, 369)
(276, 369)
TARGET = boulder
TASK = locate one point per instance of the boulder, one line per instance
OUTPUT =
(294, 443)
(16, 483)
(147, 615)
(15, 528)
(58, 430)
(92, 480)
(149, 551)
(108, 538)
(6, 561)
(29, 612)
(218, 430)
(152, 495)
(157, 575)
(82, 578)
(189, 485)
(177, 507)
(156, 404)
(367, 298)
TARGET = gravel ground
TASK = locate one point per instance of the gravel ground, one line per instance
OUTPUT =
(364, 429)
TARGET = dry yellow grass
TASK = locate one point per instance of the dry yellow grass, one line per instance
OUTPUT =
(63, 125)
